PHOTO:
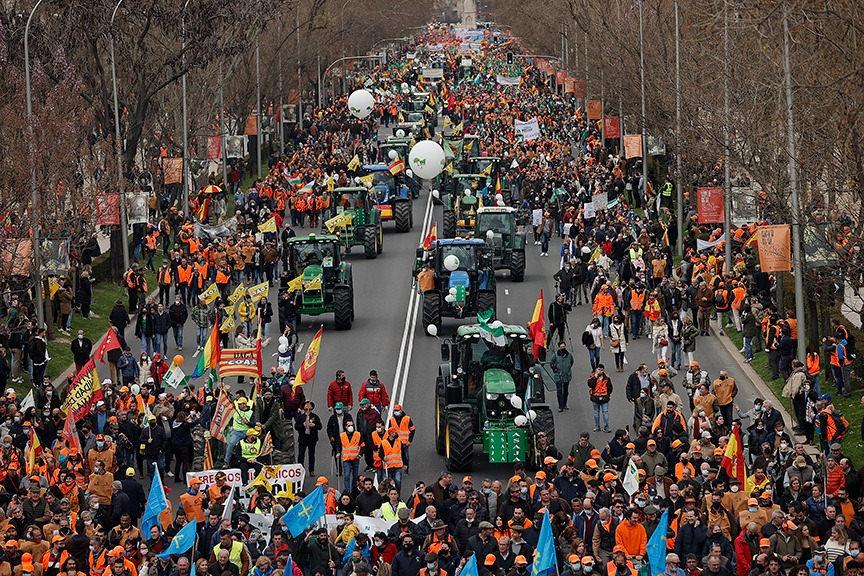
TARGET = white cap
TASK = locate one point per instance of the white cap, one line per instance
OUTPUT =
(106, 381)
(150, 380)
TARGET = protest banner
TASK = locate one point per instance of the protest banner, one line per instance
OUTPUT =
(775, 248)
(172, 170)
(594, 109)
(258, 291)
(589, 211)
(84, 392)
(612, 127)
(214, 147)
(222, 414)
(526, 131)
(233, 477)
(600, 201)
(709, 204)
(632, 146)
(276, 478)
(508, 80)
(107, 209)
(240, 362)
(705, 244)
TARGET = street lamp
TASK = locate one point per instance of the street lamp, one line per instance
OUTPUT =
(124, 232)
(186, 175)
(323, 76)
(34, 196)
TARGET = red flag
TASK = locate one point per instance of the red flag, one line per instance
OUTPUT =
(109, 342)
(70, 433)
(431, 236)
(536, 327)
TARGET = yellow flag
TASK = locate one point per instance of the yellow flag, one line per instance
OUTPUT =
(296, 284)
(53, 287)
(314, 284)
(238, 293)
(258, 291)
(263, 479)
(366, 180)
(447, 122)
(331, 184)
(487, 171)
(228, 325)
(354, 163)
(339, 221)
(458, 128)
(595, 255)
(210, 294)
(268, 226)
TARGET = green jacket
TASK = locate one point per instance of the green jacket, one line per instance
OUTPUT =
(562, 366)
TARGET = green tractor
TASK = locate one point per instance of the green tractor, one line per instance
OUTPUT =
(464, 280)
(491, 167)
(402, 147)
(497, 226)
(461, 202)
(362, 225)
(492, 395)
(327, 284)
(391, 196)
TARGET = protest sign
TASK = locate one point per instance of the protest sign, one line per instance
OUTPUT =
(526, 131)
(709, 204)
(775, 248)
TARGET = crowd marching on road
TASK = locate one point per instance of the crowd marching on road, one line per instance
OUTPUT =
(686, 485)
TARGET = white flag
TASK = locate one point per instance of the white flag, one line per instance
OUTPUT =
(229, 505)
(175, 377)
(631, 478)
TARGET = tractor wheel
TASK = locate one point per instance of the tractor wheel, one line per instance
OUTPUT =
(343, 307)
(439, 421)
(459, 441)
(370, 242)
(431, 311)
(449, 225)
(517, 265)
(380, 232)
(402, 216)
(544, 422)
(486, 301)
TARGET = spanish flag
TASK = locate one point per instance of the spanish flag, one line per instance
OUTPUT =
(498, 185)
(203, 210)
(306, 372)
(536, 327)
(431, 236)
(396, 167)
(733, 458)
(33, 450)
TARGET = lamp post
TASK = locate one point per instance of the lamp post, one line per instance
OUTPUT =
(186, 174)
(34, 195)
(679, 198)
(644, 119)
(258, 108)
(727, 184)
(118, 144)
(322, 77)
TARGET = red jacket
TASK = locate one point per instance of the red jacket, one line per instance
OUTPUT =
(743, 554)
(377, 394)
(340, 393)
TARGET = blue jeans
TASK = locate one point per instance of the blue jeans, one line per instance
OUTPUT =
(748, 348)
(161, 343)
(148, 345)
(594, 357)
(351, 471)
(396, 475)
(201, 337)
(178, 335)
(604, 321)
(601, 409)
(635, 323)
(676, 353)
(232, 441)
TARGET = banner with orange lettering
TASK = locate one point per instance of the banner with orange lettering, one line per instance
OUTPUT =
(632, 146)
(775, 248)
(709, 204)
(612, 127)
(594, 108)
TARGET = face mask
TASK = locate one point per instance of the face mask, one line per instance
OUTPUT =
(705, 473)
(854, 553)
(431, 567)
(339, 412)
(784, 446)
(588, 567)
(379, 543)
(734, 488)
(17, 419)
(100, 445)
(576, 567)
(642, 394)
(752, 508)
(349, 429)
(523, 490)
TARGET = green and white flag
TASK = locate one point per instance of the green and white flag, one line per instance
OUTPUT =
(492, 332)
(631, 478)
(175, 377)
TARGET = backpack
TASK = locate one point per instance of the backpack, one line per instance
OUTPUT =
(841, 423)
(587, 339)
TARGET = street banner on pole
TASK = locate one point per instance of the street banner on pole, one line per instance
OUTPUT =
(612, 127)
(594, 108)
(632, 146)
(775, 248)
(709, 204)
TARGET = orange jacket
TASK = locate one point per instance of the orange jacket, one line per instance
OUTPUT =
(632, 537)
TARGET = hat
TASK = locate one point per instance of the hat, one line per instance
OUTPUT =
(789, 525)
(124, 389)
(764, 542)
(27, 562)
(489, 560)
(752, 502)
(610, 476)
(619, 550)
(652, 442)
(675, 443)
(252, 432)
(11, 544)
(242, 400)
(485, 525)
(718, 451)
(520, 560)
(835, 446)
(591, 463)
(651, 509)
(397, 407)
(540, 474)
(195, 482)
(573, 558)
(587, 560)
(515, 479)
(339, 406)
(116, 552)
(130, 472)
(100, 437)
(57, 538)
(365, 401)
(403, 513)
(467, 479)
(439, 525)
(431, 557)
(630, 446)
(549, 460)
(663, 372)
(321, 480)
(595, 453)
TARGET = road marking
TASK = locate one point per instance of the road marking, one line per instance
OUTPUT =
(506, 293)
(508, 310)
(406, 346)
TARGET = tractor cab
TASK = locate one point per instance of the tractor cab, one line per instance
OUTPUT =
(466, 195)
(488, 165)
(506, 239)
(323, 279)
(357, 221)
(391, 196)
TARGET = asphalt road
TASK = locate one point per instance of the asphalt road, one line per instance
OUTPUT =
(387, 335)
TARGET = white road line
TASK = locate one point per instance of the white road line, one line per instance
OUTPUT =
(506, 293)
(508, 311)
(406, 346)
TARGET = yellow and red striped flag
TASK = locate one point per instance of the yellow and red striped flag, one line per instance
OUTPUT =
(396, 167)
(310, 362)
(733, 458)
(33, 450)
(536, 327)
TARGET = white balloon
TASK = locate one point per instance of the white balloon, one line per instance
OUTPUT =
(284, 340)
(392, 154)
(490, 234)
(427, 159)
(516, 402)
(283, 348)
(586, 250)
(532, 415)
(409, 173)
(499, 196)
(520, 421)
(500, 203)
(357, 180)
(468, 192)
(135, 389)
(436, 194)
(449, 298)
(400, 133)
(361, 103)
(432, 330)
(452, 291)
(451, 263)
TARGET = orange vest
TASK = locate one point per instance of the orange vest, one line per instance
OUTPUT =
(350, 447)
(637, 301)
(193, 505)
(165, 277)
(611, 571)
(222, 278)
(150, 240)
(812, 364)
(376, 456)
(403, 428)
(193, 245)
(121, 405)
(739, 293)
(201, 269)
(392, 454)
(184, 274)
(98, 564)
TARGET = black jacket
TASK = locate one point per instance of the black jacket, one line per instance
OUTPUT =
(407, 563)
(178, 313)
(137, 500)
(119, 318)
(299, 426)
(81, 350)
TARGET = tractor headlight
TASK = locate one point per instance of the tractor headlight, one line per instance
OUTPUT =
(459, 370)
(491, 396)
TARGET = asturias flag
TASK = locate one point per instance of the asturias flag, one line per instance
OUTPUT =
(545, 558)
(656, 548)
(182, 541)
(156, 503)
(305, 513)
(310, 361)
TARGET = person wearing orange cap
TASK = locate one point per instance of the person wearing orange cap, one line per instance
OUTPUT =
(117, 559)
(329, 494)
(53, 559)
(194, 501)
(405, 426)
(27, 566)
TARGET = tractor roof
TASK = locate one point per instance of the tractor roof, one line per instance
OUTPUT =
(498, 381)
(493, 158)
(349, 189)
(496, 210)
(312, 239)
(466, 176)
(375, 167)
(474, 330)
(460, 242)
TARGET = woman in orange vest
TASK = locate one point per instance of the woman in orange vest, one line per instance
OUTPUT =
(350, 445)
(391, 454)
